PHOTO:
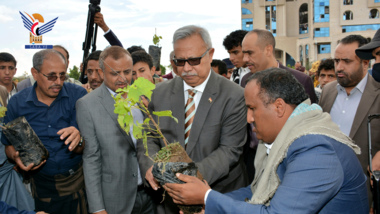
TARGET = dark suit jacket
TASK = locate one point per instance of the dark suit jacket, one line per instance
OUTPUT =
(369, 104)
(318, 175)
(112, 39)
(109, 158)
(218, 132)
(304, 79)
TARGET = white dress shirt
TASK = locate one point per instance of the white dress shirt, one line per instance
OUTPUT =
(345, 106)
(199, 88)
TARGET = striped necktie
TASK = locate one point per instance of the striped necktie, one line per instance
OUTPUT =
(189, 113)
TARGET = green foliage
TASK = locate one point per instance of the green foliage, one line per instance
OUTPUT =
(74, 73)
(163, 70)
(139, 90)
(156, 40)
(3, 109)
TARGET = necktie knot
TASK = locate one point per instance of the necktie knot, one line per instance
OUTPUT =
(191, 92)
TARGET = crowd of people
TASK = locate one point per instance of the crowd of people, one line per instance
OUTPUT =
(265, 138)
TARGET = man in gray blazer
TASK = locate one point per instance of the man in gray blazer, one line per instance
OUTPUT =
(353, 97)
(112, 176)
(218, 131)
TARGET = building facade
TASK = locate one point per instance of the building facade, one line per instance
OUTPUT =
(309, 30)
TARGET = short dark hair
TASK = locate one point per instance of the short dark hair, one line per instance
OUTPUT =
(40, 56)
(222, 67)
(115, 52)
(354, 38)
(93, 56)
(277, 83)
(264, 38)
(64, 49)
(142, 56)
(7, 57)
(234, 39)
(327, 64)
(134, 48)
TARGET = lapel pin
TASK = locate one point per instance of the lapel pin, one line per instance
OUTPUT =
(210, 100)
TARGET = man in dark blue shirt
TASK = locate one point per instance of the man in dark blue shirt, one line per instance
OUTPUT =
(49, 107)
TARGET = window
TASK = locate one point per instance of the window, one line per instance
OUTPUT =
(353, 28)
(303, 19)
(321, 10)
(348, 15)
(348, 2)
(377, 1)
(247, 24)
(270, 19)
(307, 56)
(324, 48)
(245, 11)
(301, 54)
(374, 14)
(246, 1)
(322, 32)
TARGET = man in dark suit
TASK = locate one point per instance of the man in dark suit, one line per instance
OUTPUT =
(304, 163)
(218, 129)
(112, 176)
(258, 48)
(353, 97)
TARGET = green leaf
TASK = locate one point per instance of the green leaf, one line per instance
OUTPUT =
(166, 113)
(137, 132)
(139, 88)
(2, 111)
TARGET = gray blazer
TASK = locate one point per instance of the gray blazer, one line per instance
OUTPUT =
(218, 131)
(109, 158)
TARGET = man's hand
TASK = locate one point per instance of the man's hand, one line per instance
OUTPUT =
(72, 136)
(152, 181)
(42, 212)
(98, 19)
(190, 193)
(14, 155)
(101, 212)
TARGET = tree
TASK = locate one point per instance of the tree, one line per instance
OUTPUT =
(74, 73)
(163, 70)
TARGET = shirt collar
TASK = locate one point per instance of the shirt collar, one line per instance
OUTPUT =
(33, 95)
(198, 88)
(360, 86)
(269, 146)
(112, 92)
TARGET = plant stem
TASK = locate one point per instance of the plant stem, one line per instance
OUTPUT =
(158, 129)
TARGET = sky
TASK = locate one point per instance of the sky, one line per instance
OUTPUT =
(133, 21)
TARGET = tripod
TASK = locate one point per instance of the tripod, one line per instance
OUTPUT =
(91, 32)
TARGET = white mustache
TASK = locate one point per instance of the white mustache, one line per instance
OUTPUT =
(188, 74)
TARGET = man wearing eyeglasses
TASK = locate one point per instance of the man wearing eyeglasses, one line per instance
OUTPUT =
(49, 107)
(113, 179)
(211, 115)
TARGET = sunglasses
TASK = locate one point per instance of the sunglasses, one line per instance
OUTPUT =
(191, 61)
(62, 77)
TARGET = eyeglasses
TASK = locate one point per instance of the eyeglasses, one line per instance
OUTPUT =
(62, 77)
(191, 61)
